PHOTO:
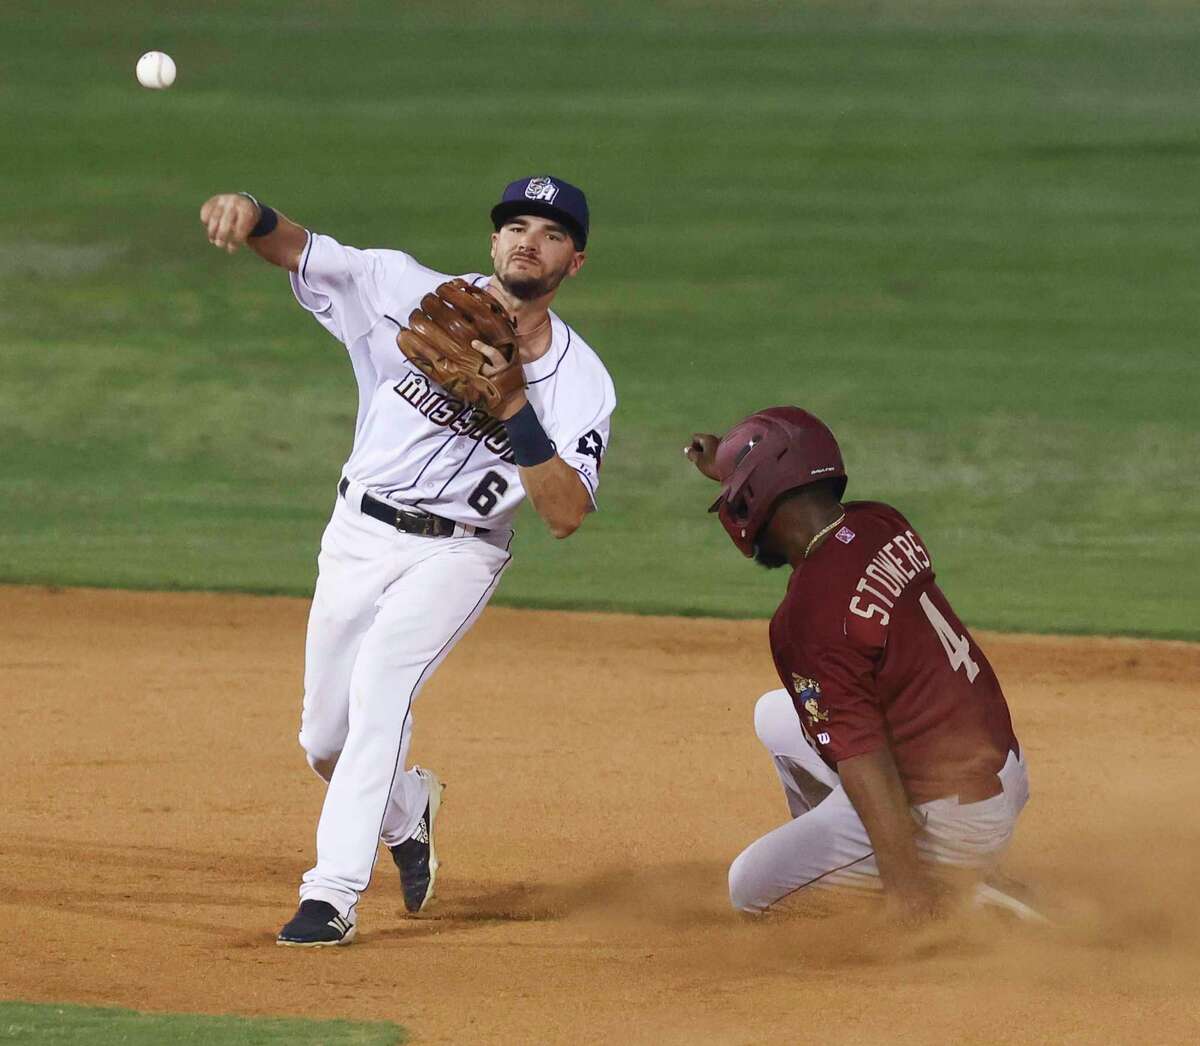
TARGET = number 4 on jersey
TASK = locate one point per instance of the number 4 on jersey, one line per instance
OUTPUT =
(958, 648)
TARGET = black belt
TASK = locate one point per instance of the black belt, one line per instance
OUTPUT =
(426, 524)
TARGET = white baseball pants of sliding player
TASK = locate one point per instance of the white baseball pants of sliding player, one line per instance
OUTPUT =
(826, 844)
(388, 608)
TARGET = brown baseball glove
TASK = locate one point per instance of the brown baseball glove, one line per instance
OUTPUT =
(438, 341)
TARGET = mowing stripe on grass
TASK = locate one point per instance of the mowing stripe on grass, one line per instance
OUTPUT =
(53, 1023)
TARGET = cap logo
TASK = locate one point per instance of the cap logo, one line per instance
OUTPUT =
(541, 189)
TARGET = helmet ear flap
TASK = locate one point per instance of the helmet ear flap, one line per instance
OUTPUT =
(734, 505)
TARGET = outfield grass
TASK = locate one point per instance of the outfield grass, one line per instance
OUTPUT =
(963, 234)
(42, 1023)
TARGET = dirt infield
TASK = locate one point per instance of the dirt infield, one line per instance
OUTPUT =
(602, 771)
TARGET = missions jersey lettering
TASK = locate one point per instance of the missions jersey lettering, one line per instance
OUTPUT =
(415, 445)
(443, 409)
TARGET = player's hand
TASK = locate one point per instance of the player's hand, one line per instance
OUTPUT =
(495, 364)
(918, 901)
(228, 218)
(702, 452)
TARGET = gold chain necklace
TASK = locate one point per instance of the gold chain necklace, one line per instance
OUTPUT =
(821, 533)
(530, 333)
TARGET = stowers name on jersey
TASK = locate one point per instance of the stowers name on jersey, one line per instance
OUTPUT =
(890, 573)
(455, 415)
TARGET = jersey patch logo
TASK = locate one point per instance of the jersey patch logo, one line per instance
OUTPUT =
(845, 535)
(815, 715)
(541, 189)
(809, 692)
(592, 445)
(823, 737)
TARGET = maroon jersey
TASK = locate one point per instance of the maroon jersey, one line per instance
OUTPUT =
(873, 655)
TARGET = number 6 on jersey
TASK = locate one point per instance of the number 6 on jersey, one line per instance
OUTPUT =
(485, 496)
(958, 648)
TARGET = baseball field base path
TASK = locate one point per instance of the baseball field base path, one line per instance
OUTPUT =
(601, 772)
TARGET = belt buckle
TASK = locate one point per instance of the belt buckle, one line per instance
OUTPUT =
(414, 522)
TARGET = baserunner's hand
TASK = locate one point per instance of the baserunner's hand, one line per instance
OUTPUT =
(702, 452)
(917, 901)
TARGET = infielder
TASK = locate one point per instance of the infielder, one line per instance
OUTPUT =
(490, 398)
(891, 735)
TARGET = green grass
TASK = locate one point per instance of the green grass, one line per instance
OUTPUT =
(964, 234)
(28, 1022)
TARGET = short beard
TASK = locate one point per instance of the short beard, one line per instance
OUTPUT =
(770, 560)
(530, 288)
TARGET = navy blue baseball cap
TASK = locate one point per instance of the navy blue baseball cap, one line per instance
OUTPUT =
(546, 197)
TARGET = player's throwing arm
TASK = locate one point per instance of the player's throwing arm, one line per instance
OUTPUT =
(233, 219)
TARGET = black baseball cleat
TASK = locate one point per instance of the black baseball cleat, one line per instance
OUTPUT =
(316, 924)
(416, 857)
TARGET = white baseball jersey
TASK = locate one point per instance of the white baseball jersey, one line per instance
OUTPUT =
(414, 444)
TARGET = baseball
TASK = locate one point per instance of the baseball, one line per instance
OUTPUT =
(156, 70)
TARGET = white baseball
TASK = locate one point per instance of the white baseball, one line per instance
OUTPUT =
(156, 70)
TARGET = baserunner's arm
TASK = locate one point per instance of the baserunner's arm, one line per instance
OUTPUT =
(231, 219)
(873, 784)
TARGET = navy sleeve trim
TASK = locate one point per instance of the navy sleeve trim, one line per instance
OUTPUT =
(304, 262)
(587, 479)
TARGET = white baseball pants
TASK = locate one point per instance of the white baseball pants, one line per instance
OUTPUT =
(388, 608)
(826, 844)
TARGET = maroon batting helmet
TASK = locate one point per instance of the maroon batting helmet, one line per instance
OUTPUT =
(762, 458)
